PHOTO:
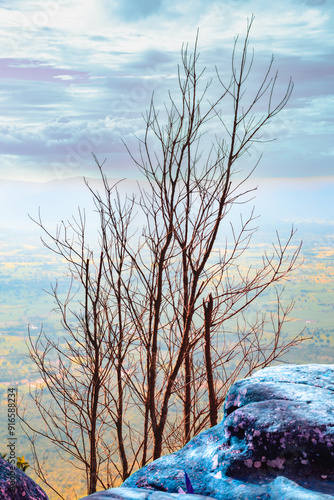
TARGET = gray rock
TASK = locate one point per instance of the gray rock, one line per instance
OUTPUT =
(276, 441)
(140, 494)
(18, 486)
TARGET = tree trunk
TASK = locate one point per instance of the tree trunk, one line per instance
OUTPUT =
(187, 398)
(208, 306)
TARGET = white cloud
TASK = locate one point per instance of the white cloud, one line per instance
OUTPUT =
(56, 135)
(65, 77)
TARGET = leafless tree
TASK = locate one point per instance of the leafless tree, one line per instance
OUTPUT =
(162, 329)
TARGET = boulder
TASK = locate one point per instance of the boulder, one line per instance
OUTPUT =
(276, 441)
(22, 487)
(140, 494)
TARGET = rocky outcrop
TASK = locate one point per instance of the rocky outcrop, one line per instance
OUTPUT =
(16, 485)
(276, 441)
(141, 494)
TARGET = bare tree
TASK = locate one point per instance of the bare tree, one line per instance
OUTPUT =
(84, 372)
(162, 326)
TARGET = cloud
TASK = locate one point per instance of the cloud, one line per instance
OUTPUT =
(63, 147)
(328, 152)
(134, 9)
(29, 69)
(56, 137)
(71, 69)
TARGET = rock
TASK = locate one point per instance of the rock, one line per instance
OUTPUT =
(140, 494)
(276, 441)
(25, 488)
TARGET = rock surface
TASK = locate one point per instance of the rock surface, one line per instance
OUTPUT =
(140, 494)
(276, 441)
(25, 487)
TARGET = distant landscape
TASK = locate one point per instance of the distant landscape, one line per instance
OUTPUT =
(27, 268)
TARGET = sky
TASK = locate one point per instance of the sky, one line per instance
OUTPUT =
(76, 78)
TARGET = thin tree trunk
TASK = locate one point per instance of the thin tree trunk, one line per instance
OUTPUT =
(213, 407)
(119, 424)
(145, 434)
(92, 437)
(187, 399)
(187, 363)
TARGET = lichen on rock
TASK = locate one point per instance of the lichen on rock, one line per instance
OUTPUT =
(21, 487)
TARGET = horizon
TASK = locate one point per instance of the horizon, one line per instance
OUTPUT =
(279, 203)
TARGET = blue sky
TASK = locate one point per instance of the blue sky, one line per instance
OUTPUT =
(76, 76)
